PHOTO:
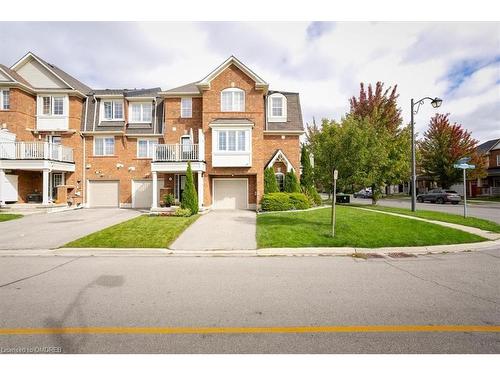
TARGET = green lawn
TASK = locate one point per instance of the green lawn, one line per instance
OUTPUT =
(442, 216)
(7, 217)
(354, 227)
(486, 199)
(143, 231)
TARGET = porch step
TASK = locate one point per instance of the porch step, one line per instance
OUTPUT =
(32, 208)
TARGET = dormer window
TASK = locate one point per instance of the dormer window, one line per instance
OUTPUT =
(140, 112)
(232, 100)
(277, 108)
(112, 110)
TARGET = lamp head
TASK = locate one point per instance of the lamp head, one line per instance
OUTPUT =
(436, 102)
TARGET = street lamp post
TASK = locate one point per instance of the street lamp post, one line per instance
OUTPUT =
(435, 102)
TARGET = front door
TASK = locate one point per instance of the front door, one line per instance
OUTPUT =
(181, 185)
(57, 179)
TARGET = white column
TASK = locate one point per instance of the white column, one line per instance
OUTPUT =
(45, 188)
(200, 189)
(2, 182)
(155, 190)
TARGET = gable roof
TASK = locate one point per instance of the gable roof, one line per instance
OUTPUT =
(14, 77)
(232, 60)
(189, 88)
(279, 155)
(69, 80)
(487, 146)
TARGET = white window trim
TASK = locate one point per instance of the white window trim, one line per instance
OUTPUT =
(498, 160)
(141, 104)
(1, 100)
(190, 108)
(40, 113)
(233, 90)
(149, 148)
(270, 117)
(113, 118)
(104, 146)
(248, 141)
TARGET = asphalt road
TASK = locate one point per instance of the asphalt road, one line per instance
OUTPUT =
(445, 289)
(488, 211)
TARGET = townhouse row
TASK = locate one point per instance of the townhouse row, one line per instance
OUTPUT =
(62, 141)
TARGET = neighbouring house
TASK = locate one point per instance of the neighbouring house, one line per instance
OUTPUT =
(61, 140)
(489, 185)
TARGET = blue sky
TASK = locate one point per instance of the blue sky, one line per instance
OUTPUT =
(325, 62)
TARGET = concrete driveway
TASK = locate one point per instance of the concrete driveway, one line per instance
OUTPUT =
(220, 230)
(48, 231)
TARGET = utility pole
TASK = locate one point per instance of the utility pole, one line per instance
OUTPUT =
(335, 176)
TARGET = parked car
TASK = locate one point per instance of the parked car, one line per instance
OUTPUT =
(439, 196)
(363, 193)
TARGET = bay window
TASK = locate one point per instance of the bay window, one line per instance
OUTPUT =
(104, 146)
(145, 147)
(141, 112)
(232, 100)
(4, 100)
(112, 110)
(233, 140)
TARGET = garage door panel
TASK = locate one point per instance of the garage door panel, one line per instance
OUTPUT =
(230, 194)
(103, 193)
(142, 196)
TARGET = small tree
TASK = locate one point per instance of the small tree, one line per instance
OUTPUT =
(189, 195)
(270, 184)
(306, 177)
(291, 183)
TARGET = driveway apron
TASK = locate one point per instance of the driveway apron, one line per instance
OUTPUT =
(220, 230)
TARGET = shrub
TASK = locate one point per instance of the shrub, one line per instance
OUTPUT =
(306, 177)
(291, 183)
(189, 195)
(313, 196)
(184, 212)
(284, 202)
(270, 184)
(299, 201)
(168, 199)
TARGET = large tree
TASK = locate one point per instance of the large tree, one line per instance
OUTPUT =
(442, 146)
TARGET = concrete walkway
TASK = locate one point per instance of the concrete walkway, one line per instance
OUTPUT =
(220, 230)
(479, 232)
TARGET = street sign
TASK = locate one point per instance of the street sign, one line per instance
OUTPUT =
(335, 174)
(464, 160)
(464, 166)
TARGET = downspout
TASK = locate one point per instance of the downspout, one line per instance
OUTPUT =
(95, 111)
(155, 129)
(84, 170)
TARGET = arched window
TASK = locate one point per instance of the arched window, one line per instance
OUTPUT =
(277, 107)
(280, 180)
(232, 100)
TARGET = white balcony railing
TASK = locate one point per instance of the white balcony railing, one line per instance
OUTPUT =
(35, 151)
(176, 152)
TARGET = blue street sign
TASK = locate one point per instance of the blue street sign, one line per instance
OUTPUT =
(464, 166)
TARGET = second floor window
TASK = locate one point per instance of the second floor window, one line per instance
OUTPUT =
(52, 106)
(232, 140)
(186, 107)
(232, 100)
(141, 112)
(104, 146)
(498, 160)
(145, 147)
(4, 100)
(112, 110)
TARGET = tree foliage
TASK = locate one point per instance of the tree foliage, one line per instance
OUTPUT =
(306, 177)
(291, 183)
(270, 184)
(189, 195)
(442, 146)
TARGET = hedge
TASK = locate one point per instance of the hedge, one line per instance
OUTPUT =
(284, 202)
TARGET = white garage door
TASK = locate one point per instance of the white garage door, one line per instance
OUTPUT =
(142, 196)
(9, 188)
(103, 193)
(230, 194)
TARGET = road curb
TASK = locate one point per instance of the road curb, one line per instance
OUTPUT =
(317, 251)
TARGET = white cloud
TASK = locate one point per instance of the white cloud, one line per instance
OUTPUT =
(324, 62)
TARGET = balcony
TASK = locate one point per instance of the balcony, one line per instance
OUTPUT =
(177, 153)
(35, 151)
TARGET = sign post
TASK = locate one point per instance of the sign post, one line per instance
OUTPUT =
(334, 200)
(462, 164)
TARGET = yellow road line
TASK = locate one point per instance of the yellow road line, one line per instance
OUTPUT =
(243, 330)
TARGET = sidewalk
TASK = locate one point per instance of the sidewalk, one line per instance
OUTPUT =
(306, 251)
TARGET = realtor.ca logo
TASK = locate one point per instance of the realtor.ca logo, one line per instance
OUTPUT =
(31, 350)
